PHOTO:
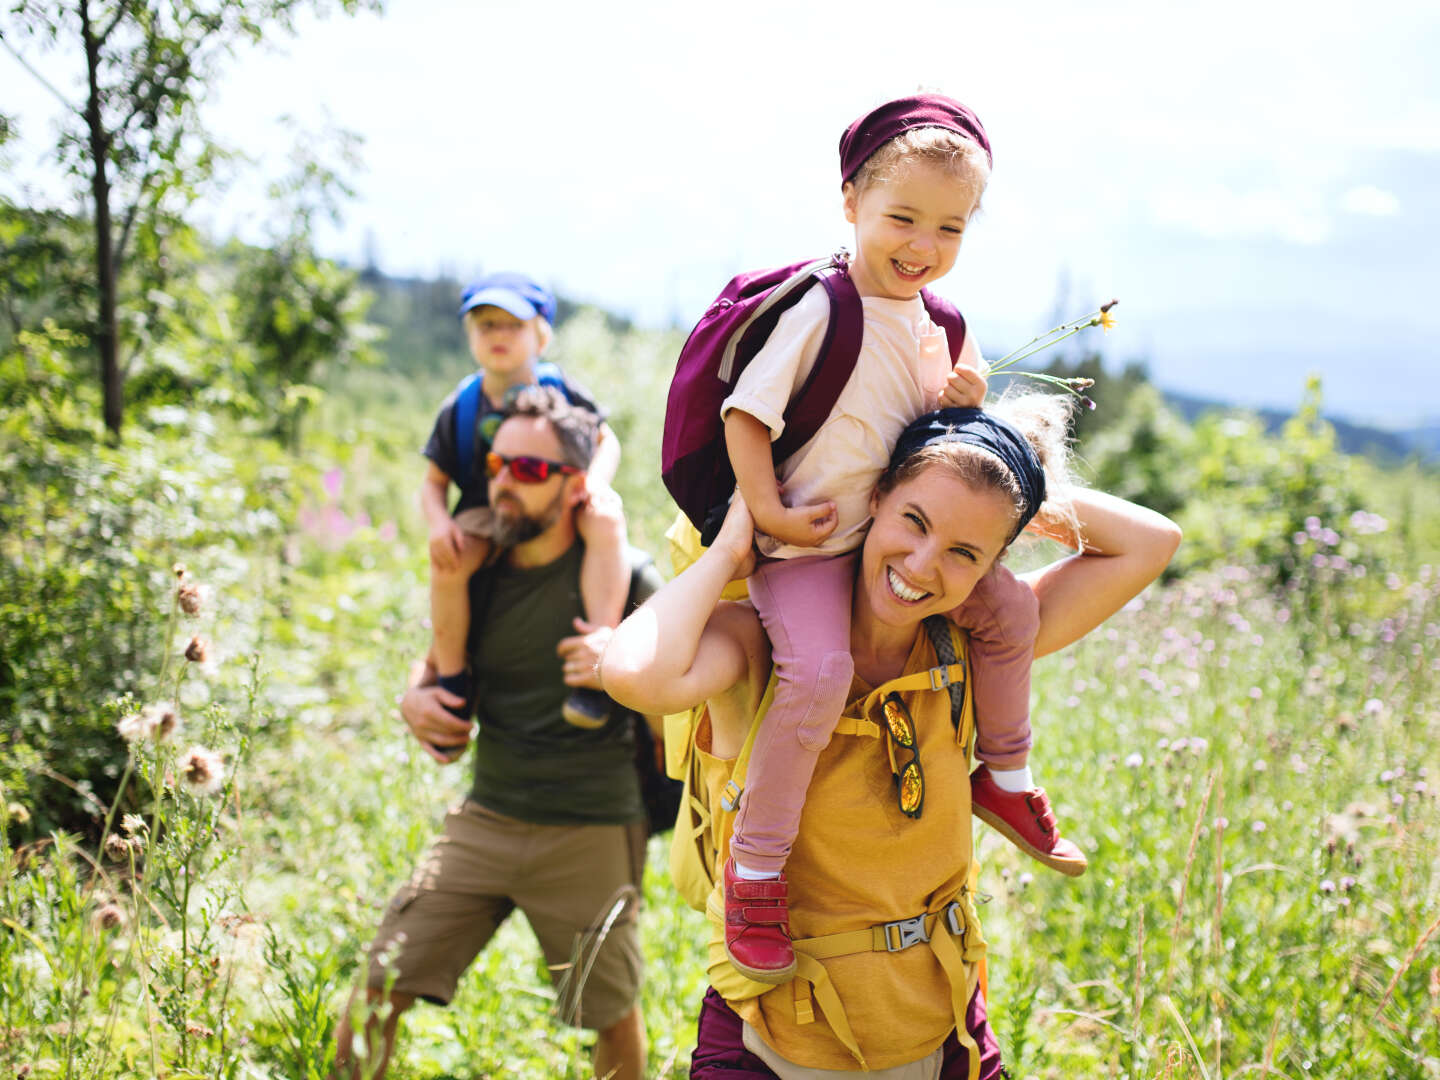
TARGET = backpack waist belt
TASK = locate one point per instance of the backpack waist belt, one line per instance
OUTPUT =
(894, 936)
(938, 929)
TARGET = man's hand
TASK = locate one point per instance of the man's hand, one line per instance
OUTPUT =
(582, 654)
(965, 388)
(443, 734)
(446, 540)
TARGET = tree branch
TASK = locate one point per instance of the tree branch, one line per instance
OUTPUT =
(40, 78)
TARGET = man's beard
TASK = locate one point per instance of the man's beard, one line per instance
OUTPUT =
(516, 527)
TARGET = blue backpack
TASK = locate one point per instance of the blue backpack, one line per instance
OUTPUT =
(468, 420)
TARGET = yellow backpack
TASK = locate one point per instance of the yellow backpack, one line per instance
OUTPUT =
(702, 830)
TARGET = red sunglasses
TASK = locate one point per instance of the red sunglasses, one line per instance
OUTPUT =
(526, 469)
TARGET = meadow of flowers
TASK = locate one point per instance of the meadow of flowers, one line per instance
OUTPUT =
(1248, 755)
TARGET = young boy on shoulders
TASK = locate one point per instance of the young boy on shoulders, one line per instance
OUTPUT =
(507, 320)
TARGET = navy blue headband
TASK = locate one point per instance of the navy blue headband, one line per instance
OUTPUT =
(976, 427)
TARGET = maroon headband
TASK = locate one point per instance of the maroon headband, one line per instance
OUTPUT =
(879, 126)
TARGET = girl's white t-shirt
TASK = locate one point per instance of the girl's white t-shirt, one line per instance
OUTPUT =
(903, 365)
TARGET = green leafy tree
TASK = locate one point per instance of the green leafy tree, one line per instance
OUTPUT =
(132, 138)
(298, 313)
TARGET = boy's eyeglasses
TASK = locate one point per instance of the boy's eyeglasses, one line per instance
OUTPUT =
(909, 777)
(526, 469)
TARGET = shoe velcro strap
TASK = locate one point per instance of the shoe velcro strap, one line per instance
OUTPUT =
(1040, 806)
(760, 916)
(764, 889)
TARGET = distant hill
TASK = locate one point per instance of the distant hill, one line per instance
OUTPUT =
(420, 317)
(1353, 438)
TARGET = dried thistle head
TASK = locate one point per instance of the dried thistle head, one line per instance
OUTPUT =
(198, 651)
(17, 813)
(132, 727)
(108, 916)
(202, 770)
(133, 824)
(189, 598)
(117, 847)
(160, 722)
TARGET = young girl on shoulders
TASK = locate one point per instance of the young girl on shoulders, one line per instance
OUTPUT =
(912, 172)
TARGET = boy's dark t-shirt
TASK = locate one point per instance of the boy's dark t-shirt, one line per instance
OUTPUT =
(529, 763)
(443, 447)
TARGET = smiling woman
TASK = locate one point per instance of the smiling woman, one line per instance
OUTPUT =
(880, 908)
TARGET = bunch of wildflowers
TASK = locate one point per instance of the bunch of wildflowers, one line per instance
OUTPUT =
(1100, 317)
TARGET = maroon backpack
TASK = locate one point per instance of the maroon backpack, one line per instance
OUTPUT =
(693, 460)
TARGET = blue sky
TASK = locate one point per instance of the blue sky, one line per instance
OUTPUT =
(1258, 182)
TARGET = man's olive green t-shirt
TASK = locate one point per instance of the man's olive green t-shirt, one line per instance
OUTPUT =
(529, 763)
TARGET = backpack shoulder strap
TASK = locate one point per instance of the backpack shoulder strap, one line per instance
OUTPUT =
(941, 632)
(549, 374)
(838, 353)
(467, 409)
(730, 794)
(947, 315)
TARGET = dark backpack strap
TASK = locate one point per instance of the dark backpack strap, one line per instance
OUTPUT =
(938, 627)
(838, 354)
(947, 316)
(467, 410)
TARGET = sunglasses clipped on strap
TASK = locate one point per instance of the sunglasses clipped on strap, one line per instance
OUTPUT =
(527, 469)
(909, 776)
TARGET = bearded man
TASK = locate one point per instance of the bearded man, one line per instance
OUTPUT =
(554, 823)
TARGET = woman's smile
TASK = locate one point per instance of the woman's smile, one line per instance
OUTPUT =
(902, 589)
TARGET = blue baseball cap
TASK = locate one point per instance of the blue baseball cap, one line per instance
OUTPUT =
(514, 293)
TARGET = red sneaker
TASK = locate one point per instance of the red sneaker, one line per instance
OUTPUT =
(1026, 820)
(757, 927)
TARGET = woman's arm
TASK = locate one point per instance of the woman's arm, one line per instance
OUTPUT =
(676, 650)
(1126, 547)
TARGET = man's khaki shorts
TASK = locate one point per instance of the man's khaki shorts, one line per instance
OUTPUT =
(565, 878)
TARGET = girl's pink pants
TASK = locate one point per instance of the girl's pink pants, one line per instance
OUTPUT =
(804, 605)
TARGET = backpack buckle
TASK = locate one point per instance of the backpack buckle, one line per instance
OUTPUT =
(730, 796)
(841, 259)
(954, 919)
(908, 932)
(940, 677)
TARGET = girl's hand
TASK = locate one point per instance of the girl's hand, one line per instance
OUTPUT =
(446, 540)
(965, 388)
(801, 526)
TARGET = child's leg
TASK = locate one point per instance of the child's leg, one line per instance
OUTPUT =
(450, 606)
(604, 588)
(604, 568)
(1003, 617)
(805, 607)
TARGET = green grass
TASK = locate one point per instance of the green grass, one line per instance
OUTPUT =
(1253, 773)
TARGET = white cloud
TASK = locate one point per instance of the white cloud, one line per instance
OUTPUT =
(1215, 210)
(1370, 201)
